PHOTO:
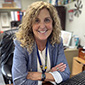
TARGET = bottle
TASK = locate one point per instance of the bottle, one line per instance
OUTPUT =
(62, 2)
(66, 1)
(59, 2)
(76, 39)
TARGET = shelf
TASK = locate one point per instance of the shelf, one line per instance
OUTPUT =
(62, 3)
(9, 8)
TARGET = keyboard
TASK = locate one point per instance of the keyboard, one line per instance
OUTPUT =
(75, 80)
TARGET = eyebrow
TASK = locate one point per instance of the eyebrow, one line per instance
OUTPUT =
(45, 17)
(48, 17)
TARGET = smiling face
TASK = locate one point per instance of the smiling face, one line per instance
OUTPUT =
(42, 26)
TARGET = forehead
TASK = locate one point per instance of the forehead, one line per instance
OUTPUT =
(43, 12)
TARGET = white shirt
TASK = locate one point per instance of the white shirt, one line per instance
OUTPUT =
(55, 74)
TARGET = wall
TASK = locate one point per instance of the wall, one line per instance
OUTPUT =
(77, 26)
(26, 3)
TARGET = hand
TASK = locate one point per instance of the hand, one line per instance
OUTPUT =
(60, 67)
(37, 76)
(34, 75)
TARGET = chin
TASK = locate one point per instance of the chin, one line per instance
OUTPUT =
(43, 39)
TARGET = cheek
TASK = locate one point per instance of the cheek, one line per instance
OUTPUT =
(35, 27)
(50, 26)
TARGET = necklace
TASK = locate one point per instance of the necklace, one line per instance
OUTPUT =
(41, 66)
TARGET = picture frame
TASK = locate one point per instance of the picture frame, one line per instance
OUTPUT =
(4, 19)
(66, 36)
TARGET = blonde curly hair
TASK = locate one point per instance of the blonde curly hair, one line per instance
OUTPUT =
(25, 33)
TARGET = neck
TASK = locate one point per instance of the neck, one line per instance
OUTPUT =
(41, 45)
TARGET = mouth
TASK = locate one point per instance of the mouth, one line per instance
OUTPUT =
(44, 31)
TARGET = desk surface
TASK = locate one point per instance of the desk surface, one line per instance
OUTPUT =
(76, 80)
(71, 49)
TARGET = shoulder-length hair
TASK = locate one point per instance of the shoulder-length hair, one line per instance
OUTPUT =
(25, 33)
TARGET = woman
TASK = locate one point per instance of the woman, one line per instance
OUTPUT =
(39, 55)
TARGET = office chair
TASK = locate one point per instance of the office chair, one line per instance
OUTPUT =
(7, 48)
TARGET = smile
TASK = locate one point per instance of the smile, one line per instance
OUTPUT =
(42, 31)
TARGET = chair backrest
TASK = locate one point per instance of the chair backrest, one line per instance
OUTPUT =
(7, 47)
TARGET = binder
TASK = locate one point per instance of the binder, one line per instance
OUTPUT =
(21, 14)
(18, 15)
(12, 16)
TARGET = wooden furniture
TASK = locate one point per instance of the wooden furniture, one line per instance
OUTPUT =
(70, 53)
(78, 65)
(62, 15)
(81, 53)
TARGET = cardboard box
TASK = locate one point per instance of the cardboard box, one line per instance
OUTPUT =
(7, 5)
(13, 4)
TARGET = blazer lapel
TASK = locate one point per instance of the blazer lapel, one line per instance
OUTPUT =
(34, 60)
(51, 53)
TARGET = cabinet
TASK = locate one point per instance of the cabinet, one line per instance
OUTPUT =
(78, 65)
(62, 15)
(70, 53)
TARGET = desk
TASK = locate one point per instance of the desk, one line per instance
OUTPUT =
(75, 80)
(70, 53)
(78, 79)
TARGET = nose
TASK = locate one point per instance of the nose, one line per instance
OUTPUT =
(42, 25)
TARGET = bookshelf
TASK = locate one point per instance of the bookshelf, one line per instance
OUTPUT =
(6, 7)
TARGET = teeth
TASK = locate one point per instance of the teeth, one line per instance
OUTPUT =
(42, 31)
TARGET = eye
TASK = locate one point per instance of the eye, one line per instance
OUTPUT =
(47, 20)
(37, 20)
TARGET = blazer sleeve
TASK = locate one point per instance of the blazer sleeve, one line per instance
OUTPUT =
(20, 67)
(61, 58)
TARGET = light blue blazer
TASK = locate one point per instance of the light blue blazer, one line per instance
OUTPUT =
(23, 62)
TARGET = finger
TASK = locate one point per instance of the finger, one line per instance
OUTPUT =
(59, 65)
(62, 68)
(62, 65)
